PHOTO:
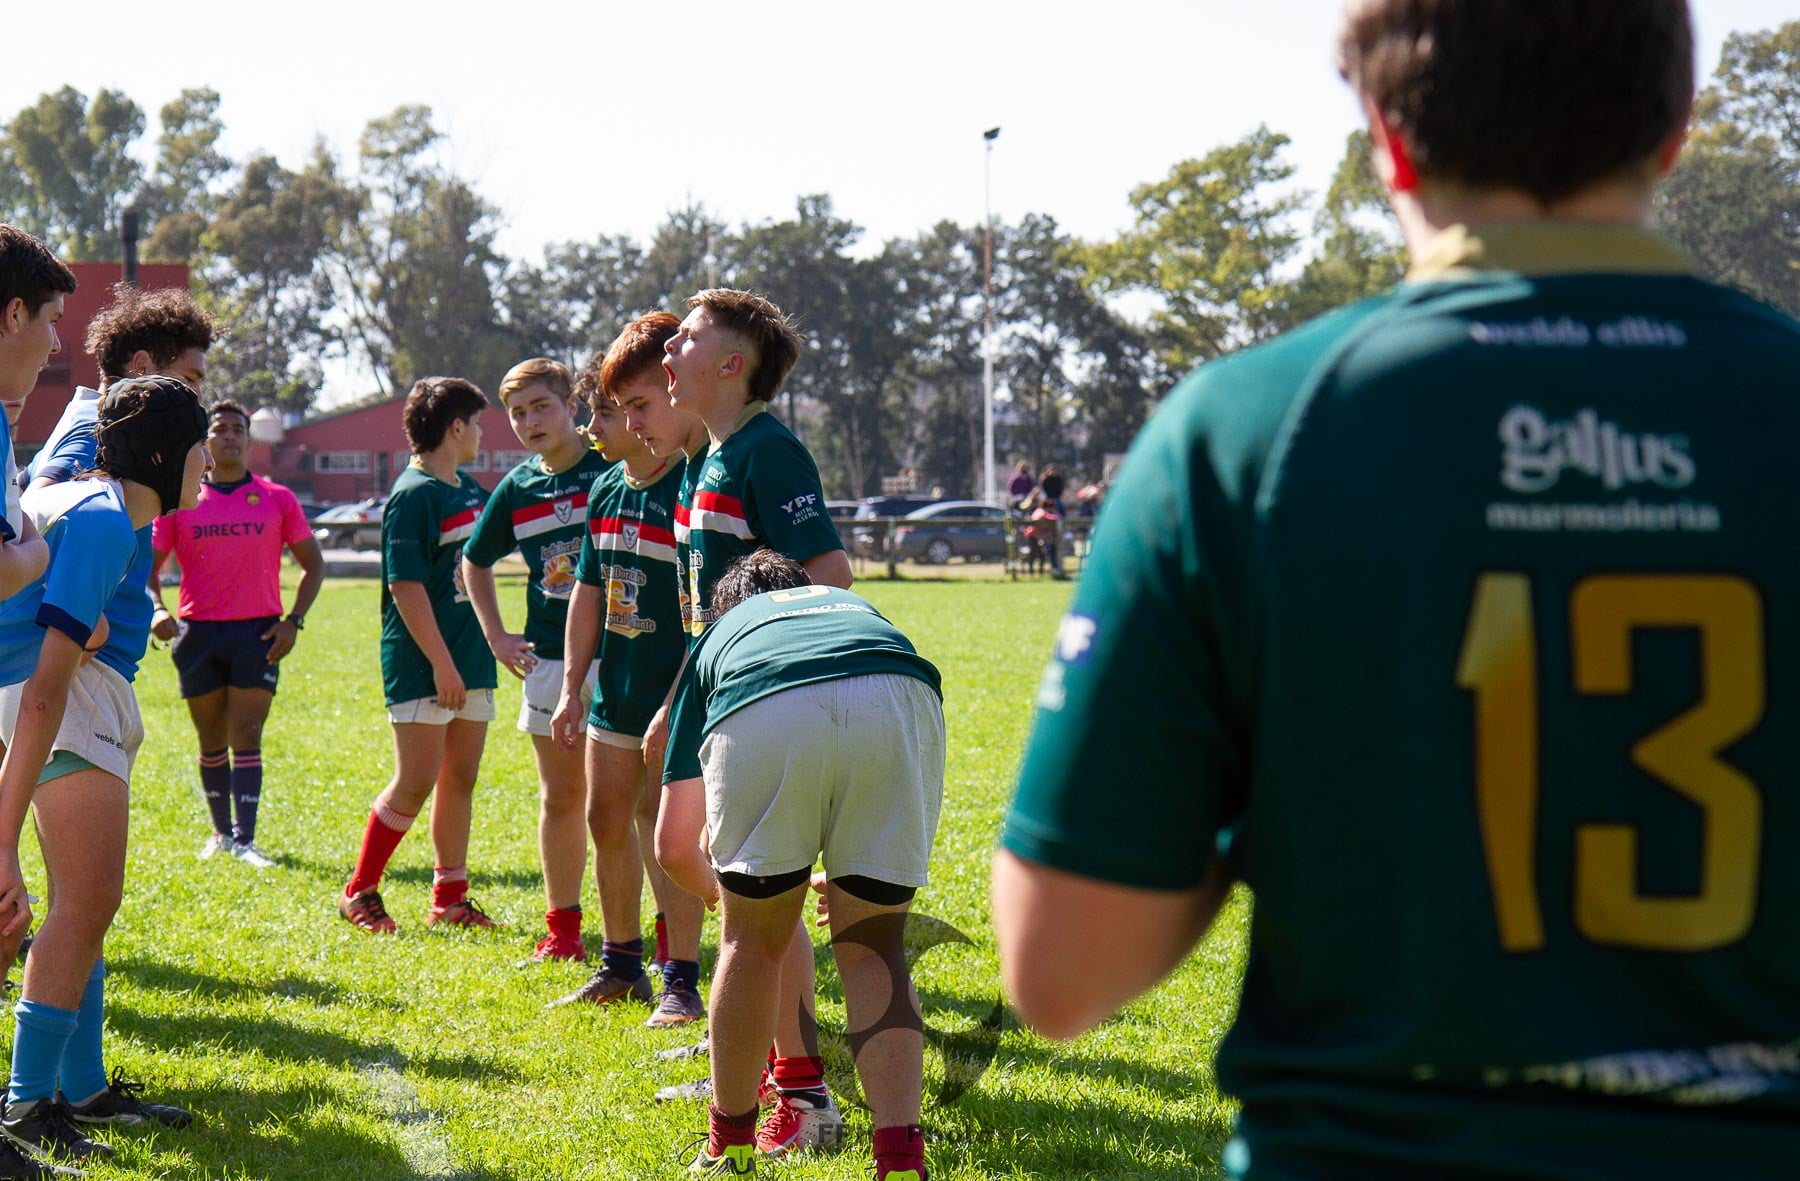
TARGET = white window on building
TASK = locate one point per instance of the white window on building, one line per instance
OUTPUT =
(341, 461)
(506, 461)
(478, 464)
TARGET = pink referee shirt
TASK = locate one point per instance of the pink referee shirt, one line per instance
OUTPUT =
(230, 547)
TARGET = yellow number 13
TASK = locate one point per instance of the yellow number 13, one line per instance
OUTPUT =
(1499, 665)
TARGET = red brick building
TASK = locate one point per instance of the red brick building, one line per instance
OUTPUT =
(357, 451)
(345, 454)
(72, 366)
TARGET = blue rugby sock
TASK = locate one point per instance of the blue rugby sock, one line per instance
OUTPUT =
(682, 973)
(39, 1034)
(624, 960)
(82, 1074)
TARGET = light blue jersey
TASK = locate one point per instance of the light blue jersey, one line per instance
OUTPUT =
(93, 551)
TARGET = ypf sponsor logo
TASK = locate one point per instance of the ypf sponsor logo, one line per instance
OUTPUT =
(1536, 451)
(966, 1052)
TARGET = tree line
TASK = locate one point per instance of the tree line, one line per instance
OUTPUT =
(389, 259)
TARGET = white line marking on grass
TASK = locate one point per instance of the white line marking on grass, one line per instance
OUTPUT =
(420, 1132)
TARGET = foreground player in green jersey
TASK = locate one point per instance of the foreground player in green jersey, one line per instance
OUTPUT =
(539, 509)
(437, 673)
(1457, 625)
(628, 611)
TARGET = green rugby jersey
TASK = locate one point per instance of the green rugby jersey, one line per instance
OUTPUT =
(423, 528)
(1459, 620)
(760, 487)
(630, 553)
(777, 641)
(541, 514)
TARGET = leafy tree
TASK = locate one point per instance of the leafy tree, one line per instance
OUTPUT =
(179, 198)
(938, 430)
(72, 169)
(416, 273)
(577, 300)
(1733, 200)
(1209, 246)
(268, 282)
(1360, 252)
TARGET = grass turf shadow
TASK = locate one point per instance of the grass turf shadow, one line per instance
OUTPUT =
(291, 1042)
(162, 976)
(276, 1134)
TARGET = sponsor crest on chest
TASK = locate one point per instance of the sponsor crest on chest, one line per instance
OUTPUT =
(564, 510)
(630, 533)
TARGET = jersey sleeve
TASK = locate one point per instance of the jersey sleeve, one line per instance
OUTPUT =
(687, 723)
(493, 537)
(1140, 685)
(294, 527)
(162, 533)
(96, 550)
(72, 455)
(409, 533)
(785, 502)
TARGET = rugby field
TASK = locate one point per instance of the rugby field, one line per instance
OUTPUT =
(315, 1052)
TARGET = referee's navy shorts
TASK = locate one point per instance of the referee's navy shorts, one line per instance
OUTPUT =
(211, 654)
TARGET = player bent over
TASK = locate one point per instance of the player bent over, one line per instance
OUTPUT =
(437, 673)
(228, 658)
(627, 609)
(540, 510)
(806, 725)
(71, 725)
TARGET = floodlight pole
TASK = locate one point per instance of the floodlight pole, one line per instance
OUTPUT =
(987, 314)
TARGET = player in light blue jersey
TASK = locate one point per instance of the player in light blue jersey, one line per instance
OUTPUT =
(71, 726)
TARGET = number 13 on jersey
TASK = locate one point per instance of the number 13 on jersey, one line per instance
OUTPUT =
(1499, 666)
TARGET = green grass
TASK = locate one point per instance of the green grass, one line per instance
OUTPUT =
(315, 1051)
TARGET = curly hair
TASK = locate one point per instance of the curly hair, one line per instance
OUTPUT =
(756, 573)
(164, 323)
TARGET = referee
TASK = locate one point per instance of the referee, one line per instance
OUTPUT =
(232, 635)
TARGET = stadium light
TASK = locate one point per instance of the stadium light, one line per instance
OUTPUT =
(987, 313)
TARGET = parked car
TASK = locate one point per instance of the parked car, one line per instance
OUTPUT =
(356, 525)
(866, 539)
(842, 513)
(971, 529)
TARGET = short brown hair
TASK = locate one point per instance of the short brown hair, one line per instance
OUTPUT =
(227, 406)
(537, 371)
(772, 338)
(29, 271)
(164, 323)
(435, 403)
(1548, 98)
(635, 351)
(756, 573)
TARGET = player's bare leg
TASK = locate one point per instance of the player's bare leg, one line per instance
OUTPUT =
(452, 812)
(562, 844)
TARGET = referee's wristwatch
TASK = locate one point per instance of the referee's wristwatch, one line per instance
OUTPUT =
(298, 620)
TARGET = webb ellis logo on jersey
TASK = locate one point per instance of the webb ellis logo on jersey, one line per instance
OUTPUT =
(1536, 451)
